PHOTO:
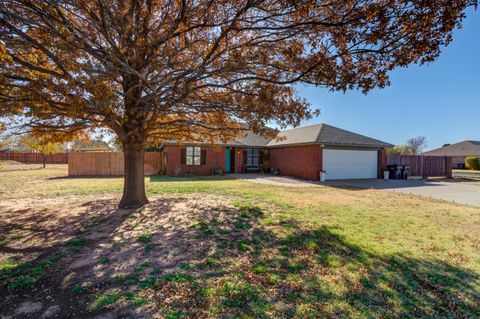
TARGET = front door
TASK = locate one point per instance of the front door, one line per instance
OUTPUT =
(228, 166)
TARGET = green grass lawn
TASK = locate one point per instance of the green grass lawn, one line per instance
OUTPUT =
(273, 252)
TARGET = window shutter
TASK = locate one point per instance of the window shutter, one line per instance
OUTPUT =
(203, 157)
(260, 157)
(245, 154)
(183, 156)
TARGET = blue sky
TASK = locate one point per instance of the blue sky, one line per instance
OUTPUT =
(440, 101)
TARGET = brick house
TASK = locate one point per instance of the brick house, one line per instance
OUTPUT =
(301, 152)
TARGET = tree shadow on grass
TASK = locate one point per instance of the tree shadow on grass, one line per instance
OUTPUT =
(39, 245)
(83, 177)
(383, 286)
(202, 257)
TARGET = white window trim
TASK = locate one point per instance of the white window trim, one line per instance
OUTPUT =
(193, 155)
(253, 153)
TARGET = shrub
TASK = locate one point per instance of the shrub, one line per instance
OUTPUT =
(152, 148)
(275, 171)
(472, 163)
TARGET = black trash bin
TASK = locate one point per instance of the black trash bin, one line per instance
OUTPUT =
(395, 171)
(398, 171)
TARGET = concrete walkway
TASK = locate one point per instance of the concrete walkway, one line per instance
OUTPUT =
(276, 180)
(462, 192)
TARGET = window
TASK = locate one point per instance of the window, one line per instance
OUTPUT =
(193, 155)
(252, 156)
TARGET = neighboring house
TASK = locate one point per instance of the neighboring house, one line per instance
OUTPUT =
(458, 152)
(301, 152)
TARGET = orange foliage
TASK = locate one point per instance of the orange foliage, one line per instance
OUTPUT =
(156, 70)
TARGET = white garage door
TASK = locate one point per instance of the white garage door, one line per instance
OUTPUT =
(350, 164)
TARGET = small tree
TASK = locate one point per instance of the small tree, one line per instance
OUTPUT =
(42, 146)
(472, 162)
(399, 150)
(417, 144)
(4, 142)
(5, 139)
(95, 144)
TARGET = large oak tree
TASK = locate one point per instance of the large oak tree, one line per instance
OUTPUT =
(158, 69)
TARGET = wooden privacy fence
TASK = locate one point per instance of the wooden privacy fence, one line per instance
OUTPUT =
(108, 164)
(33, 158)
(424, 166)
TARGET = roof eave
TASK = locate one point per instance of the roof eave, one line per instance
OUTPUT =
(292, 144)
(386, 145)
(358, 145)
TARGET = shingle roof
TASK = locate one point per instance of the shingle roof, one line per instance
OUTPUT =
(250, 139)
(324, 134)
(313, 134)
(247, 138)
(464, 148)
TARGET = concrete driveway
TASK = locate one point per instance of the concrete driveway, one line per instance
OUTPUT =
(458, 191)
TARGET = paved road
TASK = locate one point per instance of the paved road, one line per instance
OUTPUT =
(463, 192)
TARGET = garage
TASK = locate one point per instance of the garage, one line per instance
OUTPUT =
(350, 164)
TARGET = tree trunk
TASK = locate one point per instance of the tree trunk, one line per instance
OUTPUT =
(134, 183)
(44, 160)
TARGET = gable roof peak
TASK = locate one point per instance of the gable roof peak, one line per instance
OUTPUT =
(326, 134)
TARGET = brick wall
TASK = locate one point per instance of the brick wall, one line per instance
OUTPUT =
(215, 158)
(299, 161)
(382, 161)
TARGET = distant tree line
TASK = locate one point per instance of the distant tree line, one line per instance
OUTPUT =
(413, 146)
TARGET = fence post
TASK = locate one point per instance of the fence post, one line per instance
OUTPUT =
(448, 168)
(424, 173)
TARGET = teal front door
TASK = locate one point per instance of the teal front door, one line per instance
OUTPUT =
(227, 161)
